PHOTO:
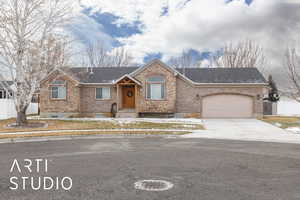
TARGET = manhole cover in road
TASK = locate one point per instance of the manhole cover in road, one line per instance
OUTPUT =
(153, 185)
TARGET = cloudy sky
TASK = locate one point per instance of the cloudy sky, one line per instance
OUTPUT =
(164, 28)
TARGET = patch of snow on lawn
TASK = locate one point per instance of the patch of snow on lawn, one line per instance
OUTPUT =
(187, 122)
(278, 124)
(287, 106)
(122, 122)
(188, 125)
(294, 129)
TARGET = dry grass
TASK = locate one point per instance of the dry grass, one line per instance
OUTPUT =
(87, 125)
(285, 121)
(92, 133)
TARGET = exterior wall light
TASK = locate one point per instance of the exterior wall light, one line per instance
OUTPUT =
(258, 97)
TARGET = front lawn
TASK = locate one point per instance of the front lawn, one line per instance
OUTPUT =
(101, 124)
(283, 121)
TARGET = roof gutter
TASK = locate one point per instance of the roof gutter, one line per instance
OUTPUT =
(230, 83)
(96, 83)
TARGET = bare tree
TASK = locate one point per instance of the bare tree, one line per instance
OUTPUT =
(58, 52)
(292, 64)
(183, 61)
(98, 56)
(28, 48)
(120, 57)
(244, 54)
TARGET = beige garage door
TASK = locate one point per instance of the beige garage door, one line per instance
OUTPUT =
(227, 106)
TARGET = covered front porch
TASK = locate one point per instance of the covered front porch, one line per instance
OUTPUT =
(127, 97)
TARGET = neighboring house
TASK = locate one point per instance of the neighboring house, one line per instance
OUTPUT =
(6, 91)
(7, 106)
(154, 89)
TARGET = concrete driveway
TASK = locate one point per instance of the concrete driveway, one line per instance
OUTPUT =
(244, 129)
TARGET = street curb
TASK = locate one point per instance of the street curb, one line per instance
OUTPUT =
(94, 130)
(82, 137)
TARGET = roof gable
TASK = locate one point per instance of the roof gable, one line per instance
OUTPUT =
(141, 69)
(65, 71)
(123, 78)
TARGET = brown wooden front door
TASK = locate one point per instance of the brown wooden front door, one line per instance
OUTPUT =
(128, 97)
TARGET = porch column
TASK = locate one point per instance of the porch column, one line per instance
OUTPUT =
(136, 97)
(118, 100)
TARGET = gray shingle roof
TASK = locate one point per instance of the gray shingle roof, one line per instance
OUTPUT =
(198, 75)
(101, 74)
(224, 75)
(6, 83)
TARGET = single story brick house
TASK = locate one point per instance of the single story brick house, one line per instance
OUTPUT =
(155, 88)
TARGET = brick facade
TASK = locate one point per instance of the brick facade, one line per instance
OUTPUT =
(89, 103)
(189, 97)
(167, 105)
(69, 105)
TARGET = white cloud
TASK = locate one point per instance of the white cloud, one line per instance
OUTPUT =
(205, 25)
(86, 28)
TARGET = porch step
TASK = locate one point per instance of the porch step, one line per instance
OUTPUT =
(126, 115)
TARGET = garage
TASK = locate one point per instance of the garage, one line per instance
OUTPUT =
(227, 106)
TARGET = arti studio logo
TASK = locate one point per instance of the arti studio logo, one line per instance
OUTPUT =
(35, 181)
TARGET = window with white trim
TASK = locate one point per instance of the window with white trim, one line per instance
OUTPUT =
(103, 93)
(58, 90)
(156, 88)
(2, 94)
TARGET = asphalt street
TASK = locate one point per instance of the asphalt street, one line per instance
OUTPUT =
(198, 168)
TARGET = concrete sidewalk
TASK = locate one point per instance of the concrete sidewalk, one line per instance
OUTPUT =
(96, 130)
(38, 136)
(244, 129)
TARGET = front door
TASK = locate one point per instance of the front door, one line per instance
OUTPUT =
(128, 97)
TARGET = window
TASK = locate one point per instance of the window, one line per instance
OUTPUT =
(103, 93)
(5, 94)
(2, 94)
(58, 90)
(156, 88)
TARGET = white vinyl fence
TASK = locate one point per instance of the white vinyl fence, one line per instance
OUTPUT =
(7, 109)
(289, 107)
